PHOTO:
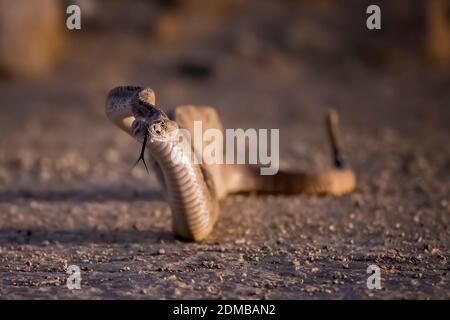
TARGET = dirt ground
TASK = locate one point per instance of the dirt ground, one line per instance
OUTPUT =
(69, 194)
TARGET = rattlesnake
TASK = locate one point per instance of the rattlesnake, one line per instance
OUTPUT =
(194, 190)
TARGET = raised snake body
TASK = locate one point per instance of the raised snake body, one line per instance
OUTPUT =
(193, 190)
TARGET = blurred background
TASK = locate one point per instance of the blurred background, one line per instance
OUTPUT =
(69, 193)
(260, 63)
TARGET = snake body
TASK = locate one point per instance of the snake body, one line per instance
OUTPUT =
(193, 190)
(193, 207)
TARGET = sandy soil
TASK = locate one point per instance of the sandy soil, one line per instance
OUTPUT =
(69, 195)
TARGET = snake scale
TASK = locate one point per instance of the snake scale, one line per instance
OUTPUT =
(193, 190)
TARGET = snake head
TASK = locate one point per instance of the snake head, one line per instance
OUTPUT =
(151, 123)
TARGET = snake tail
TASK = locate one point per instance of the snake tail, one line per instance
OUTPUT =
(335, 181)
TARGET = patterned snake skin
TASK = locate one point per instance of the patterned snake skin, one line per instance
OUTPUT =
(193, 190)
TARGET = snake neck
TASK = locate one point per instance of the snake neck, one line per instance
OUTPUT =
(194, 210)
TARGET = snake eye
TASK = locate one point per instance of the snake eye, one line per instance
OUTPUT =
(135, 128)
